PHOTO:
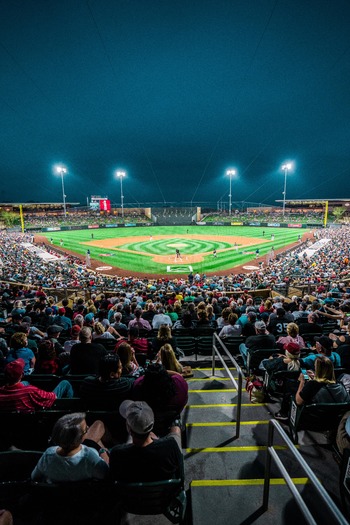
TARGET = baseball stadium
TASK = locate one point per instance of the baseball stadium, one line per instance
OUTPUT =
(259, 272)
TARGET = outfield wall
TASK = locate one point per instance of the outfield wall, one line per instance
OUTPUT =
(203, 223)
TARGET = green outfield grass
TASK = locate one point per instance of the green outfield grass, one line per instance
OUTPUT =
(190, 240)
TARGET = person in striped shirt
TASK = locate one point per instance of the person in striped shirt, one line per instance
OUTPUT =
(20, 396)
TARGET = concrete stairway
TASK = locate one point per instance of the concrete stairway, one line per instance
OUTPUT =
(225, 475)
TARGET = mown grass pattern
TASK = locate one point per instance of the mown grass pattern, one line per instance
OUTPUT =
(141, 261)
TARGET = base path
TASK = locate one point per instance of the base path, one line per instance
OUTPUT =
(242, 242)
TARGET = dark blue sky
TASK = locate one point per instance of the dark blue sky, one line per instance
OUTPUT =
(174, 92)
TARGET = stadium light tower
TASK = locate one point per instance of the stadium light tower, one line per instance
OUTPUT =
(120, 175)
(62, 171)
(230, 173)
(286, 167)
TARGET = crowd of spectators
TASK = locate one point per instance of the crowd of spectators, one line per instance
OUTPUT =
(142, 370)
(296, 216)
(325, 270)
(81, 218)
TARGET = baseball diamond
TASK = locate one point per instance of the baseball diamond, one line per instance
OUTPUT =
(131, 250)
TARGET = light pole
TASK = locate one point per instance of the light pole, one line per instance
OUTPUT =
(230, 173)
(286, 167)
(121, 175)
(62, 171)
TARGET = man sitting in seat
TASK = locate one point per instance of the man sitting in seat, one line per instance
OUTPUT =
(108, 388)
(323, 346)
(19, 396)
(147, 457)
(262, 340)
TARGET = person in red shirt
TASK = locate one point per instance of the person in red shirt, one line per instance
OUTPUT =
(20, 396)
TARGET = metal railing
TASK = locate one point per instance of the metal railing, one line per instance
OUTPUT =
(320, 490)
(239, 385)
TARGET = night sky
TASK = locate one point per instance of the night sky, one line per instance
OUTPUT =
(174, 92)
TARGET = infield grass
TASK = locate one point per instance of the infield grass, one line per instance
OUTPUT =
(190, 240)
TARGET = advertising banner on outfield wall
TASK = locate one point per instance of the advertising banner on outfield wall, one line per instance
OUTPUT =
(236, 223)
(201, 223)
(274, 224)
(130, 224)
(112, 225)
(254, 224)
(294, 225)
(93, 226)
(52, 229)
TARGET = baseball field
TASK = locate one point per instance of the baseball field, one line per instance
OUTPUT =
(152, 250)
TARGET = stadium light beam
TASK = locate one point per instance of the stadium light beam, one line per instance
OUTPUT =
(120, 175)
(230, 173)
(62, 171)
(286, 167)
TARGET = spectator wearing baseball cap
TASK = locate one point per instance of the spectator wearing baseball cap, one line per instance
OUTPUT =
(23, 397)
(288, 362)
(89, 320)
(146, 458)
(74, 338)
(262, 339)
(324, 346)
(62, 320)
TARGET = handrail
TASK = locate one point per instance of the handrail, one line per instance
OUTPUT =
(271, 453)
(239, 385)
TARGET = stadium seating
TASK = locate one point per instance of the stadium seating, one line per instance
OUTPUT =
(317, 417)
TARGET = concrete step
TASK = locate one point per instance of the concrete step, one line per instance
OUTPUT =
(225, 412)
(214, 434)
(234, 460)
(239, 502)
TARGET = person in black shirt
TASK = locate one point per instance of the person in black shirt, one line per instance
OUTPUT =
(147, 458)
(262, 340)
(108, 389)
(85, 356)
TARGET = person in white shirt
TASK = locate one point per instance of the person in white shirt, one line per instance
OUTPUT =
(160, 318)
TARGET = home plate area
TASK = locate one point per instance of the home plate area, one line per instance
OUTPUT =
(179, 269)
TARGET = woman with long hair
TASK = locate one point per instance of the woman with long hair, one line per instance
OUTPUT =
(322, 386)
(164, 336)
(166, 356)
(288, 362)
(130, 366)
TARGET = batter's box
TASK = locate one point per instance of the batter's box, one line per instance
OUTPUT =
(179, 269)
